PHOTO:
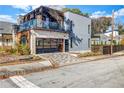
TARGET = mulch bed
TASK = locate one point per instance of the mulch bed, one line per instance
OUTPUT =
(6, 59)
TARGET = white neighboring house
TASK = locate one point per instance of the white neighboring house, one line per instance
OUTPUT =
(100, 38)
(109, 32)
(105, 37)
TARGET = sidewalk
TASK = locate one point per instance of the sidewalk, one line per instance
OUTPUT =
(22, 69)
(121, 53)
(93, 58)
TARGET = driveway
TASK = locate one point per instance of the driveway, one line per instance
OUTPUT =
(102, 73)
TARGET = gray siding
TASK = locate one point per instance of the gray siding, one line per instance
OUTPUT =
(6, 27)
(80, 34)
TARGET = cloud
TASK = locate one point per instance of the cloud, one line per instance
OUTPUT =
(34, 6)
(98, 14)
(7, 18)
(57, 7)
(21, 14)
(117, 13)
(108, 15)
(120, 12)
(26, 8)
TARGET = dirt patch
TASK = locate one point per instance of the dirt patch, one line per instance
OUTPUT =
(14, 60)
(89, 54)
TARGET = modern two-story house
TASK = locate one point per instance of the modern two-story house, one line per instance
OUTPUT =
(47, 30)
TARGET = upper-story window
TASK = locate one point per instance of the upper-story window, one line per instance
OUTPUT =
(71, 42)
(32, 16)
(88, 42)
(69, 24)
(1, 29)
(88, 29)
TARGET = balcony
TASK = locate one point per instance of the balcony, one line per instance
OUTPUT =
(37, 24)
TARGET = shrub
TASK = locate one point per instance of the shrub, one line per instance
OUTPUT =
(20, 49)
(105, 43)
(101, 42)
(114, 42)
(119, 43)
(94, 43)
(36, 58)
(10, 51)
(2, 52)
(122, 42)
(89, 54)
(1, 49)
(23, 49)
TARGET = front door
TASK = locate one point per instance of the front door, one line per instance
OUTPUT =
(66, 45)
(23, 40)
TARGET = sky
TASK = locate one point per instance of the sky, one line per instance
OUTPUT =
(10, 12)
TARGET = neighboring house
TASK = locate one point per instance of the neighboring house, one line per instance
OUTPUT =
(108, 32)
(105, 37)
(98, 38)
(101, 39)
(6, 37)
(46, 30)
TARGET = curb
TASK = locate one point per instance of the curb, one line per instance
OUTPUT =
(7, 74)
(51, 60)
(106, 57)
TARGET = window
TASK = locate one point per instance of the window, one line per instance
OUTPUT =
(88, 42)
(54, 43)
(47, 43)
(88, 29)
(1, 29)
(71, 41)
(39, 43)
(7, 42)
(66, 45)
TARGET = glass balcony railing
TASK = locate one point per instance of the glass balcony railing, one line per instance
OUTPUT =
(40, 24)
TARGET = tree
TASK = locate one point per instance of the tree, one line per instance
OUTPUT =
(66, 9)
(76, 11)
(122, 42)
(101, 24)
(120, 29)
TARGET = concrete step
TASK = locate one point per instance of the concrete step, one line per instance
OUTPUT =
(60, 58)
(22, 69)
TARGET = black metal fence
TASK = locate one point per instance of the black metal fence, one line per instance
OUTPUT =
(116, 48)
(107, 49)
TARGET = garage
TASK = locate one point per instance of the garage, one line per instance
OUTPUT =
(49, 45)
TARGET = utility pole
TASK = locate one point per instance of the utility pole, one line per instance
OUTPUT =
(13, 36)
(112, 32)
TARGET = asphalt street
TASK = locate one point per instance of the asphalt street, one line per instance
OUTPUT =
(106, 73)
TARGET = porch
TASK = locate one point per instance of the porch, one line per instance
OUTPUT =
(5, 40)
(48, 42)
